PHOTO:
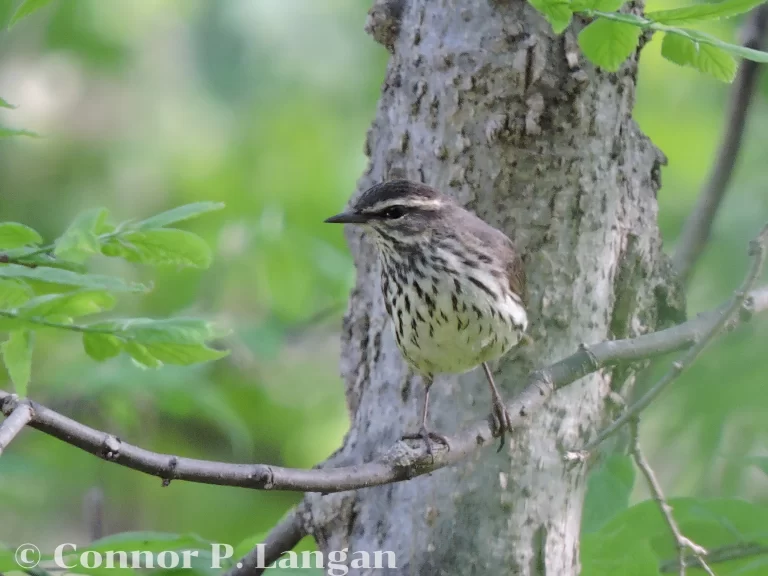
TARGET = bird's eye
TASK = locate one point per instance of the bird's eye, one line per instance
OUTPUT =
(393, 212)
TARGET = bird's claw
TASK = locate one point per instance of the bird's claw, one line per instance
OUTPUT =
(502, 421)
(428, 437)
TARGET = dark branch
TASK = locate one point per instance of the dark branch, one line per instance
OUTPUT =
(403, 460)
(280, 539)
(19, 417)
(699, 223)
(718, 555)
(757, 250)
(400, 462)
(682, 543)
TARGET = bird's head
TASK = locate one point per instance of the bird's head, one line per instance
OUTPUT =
(399, 214)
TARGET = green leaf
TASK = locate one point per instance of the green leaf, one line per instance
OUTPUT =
(760, 462)
(184, 354)
(608, 491)
(608, 43)
(705, 58)
(15, 235)
(248, 544)
(17, 355)
(58, 276)
(736, 50)
(101, 347)
(141, 355)
(679, 49)
(14, 293)
(81, 239)
(165, 247)
(703, 12)
(601, 5)
(708, 522)
(10, 132)
(607, 555)
(178, 341)
(149, 541)
(68, 305)
(27, 7)
(5, 104)
(179, 214)
(557, 12)
(170, 330)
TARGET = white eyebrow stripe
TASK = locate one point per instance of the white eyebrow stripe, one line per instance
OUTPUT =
(410, 203)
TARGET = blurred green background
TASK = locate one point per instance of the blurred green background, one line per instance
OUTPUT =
(264, 105)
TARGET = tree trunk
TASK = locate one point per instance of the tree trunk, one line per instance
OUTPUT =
(483, 101)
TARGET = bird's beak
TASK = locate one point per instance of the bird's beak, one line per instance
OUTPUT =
(347, 218)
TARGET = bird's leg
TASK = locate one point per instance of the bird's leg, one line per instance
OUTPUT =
(501, 418)
(424, 433)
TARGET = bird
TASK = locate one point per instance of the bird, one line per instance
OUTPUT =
(453, 286)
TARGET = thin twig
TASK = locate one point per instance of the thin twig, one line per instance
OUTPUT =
(698, 226)
(403, 460)
(718, 555)
(757, 249)
(683, 544)
(280, 539)
(19, 417)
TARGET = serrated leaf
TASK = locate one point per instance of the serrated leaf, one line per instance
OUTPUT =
(678, 49)
(15, 235)
(173, 330)
(10, 132)
(5, 104)
(608, 44)
(166, 247)
(101, 347)
(172, 341)
(736, 50)
(703, 12)
(602, 5)
(14, 293)
(557, 12)
(17, 356)
(81, 238)
(141, 355)
(67, 278)
(27, 7)
(704, 57)
(69, 305)
(179, 214)
(608, 490)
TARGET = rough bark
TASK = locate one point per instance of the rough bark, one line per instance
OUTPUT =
(483, 101)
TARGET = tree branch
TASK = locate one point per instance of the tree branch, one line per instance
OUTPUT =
(683, 544)
(699, 223)
(718, 555)
(19, 417)
(757, 249)
(403, 460)
(283, 537)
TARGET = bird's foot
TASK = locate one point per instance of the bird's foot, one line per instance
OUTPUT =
(502, 421)
(428, 437)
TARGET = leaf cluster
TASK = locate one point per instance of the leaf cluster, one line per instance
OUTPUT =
(613, 36)
(47, 287)
(635, 540)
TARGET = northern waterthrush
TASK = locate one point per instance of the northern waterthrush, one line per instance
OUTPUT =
(453, 285)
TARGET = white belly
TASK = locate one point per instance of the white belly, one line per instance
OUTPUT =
(454, 328)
